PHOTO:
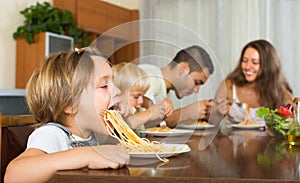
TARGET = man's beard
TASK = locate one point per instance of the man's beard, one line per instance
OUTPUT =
(177, 94)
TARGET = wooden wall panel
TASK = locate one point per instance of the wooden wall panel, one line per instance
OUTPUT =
(28, 58)
(91, 15)
(70, 5)
(94, 16)
(117, 16)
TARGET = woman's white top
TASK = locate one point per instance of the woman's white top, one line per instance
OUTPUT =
(237, 113)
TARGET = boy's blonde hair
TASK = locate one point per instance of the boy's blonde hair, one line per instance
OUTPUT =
(58, 83)
(129, 77)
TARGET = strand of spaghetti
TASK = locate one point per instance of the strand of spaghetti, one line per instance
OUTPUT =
(160, 165)
(125, 133)
(127, 138)
(165, 160)
(123, 129)
(128, 134)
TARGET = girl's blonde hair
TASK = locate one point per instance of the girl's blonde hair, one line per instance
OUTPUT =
(58, 83)
(129, 77)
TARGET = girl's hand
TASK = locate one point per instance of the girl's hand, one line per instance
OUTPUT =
(107, 156)
(126, 109)
(157, 112)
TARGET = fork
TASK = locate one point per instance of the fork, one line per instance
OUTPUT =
(163, 124)
(245, 106)
(157, 99)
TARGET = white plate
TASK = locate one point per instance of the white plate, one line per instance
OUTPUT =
(182, 148)
(247, 126)
(196, 127)
(175, 132)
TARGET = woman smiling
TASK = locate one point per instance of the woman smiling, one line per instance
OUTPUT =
(257, 80)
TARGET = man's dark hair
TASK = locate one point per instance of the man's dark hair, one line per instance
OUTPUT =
(197, 58)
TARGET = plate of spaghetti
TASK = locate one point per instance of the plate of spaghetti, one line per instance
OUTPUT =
(163, 151)
(197, 125)
(247, 124)
(166, 131)
(137, 146)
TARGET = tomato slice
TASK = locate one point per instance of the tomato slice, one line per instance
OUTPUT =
(284, 112)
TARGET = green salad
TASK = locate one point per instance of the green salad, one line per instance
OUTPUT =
(278, 120)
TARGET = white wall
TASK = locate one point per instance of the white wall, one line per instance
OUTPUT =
(10, 19)
(129, 4)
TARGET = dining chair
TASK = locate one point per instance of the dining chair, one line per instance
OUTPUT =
(14, 133)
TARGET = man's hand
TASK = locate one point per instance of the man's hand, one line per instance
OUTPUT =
(200, 109)
(168, 106)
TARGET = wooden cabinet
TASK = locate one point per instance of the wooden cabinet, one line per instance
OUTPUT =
(97, 18)
(28, 58)
(112, 28)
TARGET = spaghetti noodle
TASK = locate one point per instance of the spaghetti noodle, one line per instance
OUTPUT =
(160, 129)
(198, 123)
(120, 130)
(247, 122)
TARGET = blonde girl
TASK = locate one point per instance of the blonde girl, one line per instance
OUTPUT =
(133, 83)
(67, 95)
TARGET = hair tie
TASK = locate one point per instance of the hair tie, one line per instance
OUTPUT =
(77, 51)
(80, 50)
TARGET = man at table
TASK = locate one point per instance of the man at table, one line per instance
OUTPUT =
(187, 71)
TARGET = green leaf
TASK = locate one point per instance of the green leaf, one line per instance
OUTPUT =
(44, 17)
(262, 112)
(29, 38)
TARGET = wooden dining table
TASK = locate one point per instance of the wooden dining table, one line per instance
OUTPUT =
(217, 155)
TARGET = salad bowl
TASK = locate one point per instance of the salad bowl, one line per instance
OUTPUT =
(279, 121)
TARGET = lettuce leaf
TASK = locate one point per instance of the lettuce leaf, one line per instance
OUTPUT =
(261, 112)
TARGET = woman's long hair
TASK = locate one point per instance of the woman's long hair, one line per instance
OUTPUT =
(272, 85)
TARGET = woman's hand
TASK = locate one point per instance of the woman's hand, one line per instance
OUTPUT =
(236, 113)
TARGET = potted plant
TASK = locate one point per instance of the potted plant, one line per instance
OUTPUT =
(46, 18)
